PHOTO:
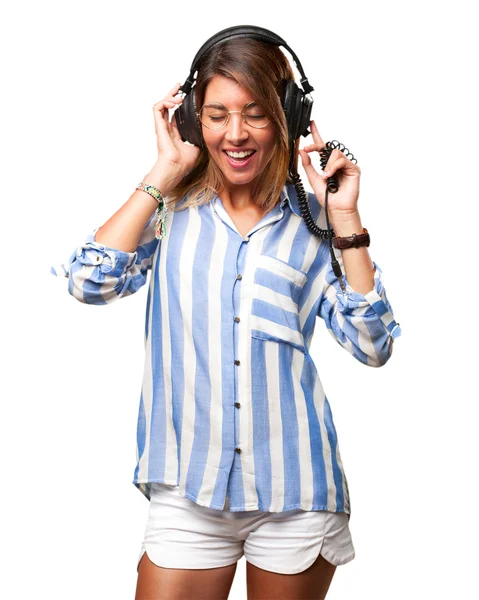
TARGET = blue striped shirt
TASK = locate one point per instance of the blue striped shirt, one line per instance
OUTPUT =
(231, 400)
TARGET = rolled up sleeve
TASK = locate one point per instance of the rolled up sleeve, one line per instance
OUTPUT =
(99, 274)
(363, 324)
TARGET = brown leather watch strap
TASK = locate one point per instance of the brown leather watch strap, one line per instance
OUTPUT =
(352, 241)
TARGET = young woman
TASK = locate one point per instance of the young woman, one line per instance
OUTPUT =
(237, 450)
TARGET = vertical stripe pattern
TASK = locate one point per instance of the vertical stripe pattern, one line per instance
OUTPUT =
(231, 399)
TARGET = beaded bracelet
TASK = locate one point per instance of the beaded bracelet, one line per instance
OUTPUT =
(160, 225)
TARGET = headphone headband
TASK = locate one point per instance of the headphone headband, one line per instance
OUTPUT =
(296, 102)
(252, 31)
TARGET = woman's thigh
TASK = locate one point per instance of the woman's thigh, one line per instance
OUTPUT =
(159, 583)
(311, 584)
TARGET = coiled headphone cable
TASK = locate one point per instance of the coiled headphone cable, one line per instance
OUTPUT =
(331, 186)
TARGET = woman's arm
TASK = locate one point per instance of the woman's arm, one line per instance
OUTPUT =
(115, 259)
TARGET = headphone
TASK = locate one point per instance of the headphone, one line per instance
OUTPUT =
(296, 102)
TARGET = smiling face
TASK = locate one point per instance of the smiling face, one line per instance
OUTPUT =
(237, 135)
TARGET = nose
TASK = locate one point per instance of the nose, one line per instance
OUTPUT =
(236, 128)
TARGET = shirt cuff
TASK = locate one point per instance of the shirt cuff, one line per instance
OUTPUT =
(376, 299)
(91, 253)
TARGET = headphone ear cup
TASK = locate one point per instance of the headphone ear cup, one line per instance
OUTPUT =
(290, 107)
(306, 110)
(188, 124)
(297, 107)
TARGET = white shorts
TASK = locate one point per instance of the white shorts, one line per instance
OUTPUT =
(181, 534)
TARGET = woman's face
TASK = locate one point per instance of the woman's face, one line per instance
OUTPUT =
(237, 135)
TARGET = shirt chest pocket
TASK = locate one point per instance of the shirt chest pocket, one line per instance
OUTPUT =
(277, 287)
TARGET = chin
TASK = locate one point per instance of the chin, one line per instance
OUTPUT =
(241, 180)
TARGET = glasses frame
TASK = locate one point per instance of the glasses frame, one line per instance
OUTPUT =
(228, 117)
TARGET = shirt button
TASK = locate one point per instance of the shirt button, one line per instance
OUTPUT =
(237, 362)
(246, 239)
(98, 259)
(237, 404)
(239, 276)
(237, 319)
(238, 450)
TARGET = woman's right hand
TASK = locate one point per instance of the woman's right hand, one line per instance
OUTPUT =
(174, 156)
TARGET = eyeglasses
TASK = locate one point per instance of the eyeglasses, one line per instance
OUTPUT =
(214, 115)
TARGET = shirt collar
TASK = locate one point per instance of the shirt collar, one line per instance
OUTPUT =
(288, 194)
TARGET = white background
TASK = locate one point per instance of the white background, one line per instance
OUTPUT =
(394, 82)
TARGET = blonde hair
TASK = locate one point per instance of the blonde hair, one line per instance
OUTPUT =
(262, 70)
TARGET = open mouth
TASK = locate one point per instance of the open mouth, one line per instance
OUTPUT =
(239, 162)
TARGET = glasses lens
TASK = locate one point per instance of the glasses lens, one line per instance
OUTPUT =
(213, 116)
(256, 117)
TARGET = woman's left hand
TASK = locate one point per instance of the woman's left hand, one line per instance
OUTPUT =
(345, 200)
